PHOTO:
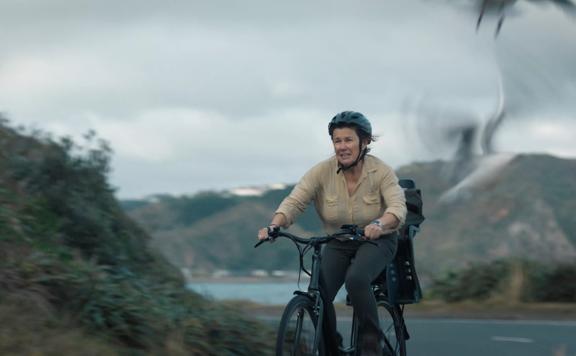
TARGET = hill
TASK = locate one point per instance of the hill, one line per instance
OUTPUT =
(523, 212)
(77, 275)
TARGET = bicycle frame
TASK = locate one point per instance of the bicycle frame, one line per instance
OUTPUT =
(313, 291)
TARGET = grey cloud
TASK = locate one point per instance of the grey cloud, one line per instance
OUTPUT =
(261, 59)
(171, 64)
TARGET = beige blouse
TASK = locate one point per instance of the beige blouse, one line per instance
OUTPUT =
(377, 192)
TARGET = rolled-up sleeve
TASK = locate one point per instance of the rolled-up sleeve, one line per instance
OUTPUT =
(297, 201)
(393, 196)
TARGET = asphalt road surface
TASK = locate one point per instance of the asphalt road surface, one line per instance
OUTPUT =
(474, 337)
(463, 337)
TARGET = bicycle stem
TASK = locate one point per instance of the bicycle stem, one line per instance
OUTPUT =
(314, 284)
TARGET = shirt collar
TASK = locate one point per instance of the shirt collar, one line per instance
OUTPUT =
(369, 165)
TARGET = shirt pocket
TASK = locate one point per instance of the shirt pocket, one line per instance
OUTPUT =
(372, 206)
(330, 208)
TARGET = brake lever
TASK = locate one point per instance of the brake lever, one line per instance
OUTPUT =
(359, 234)
(362, 239)
(262, 241)
(272, 235)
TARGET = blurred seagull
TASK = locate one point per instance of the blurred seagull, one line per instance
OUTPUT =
(500, 9)
(528, 92)
(496, 8)
(475, 162)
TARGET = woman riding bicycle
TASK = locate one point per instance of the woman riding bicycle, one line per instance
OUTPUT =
(351, 187)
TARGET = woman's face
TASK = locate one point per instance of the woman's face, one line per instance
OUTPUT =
(346, 145)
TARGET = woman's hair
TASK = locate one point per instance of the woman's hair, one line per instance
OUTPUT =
(362, 135)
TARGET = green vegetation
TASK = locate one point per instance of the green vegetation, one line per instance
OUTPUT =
(77, 275)
(509, 281)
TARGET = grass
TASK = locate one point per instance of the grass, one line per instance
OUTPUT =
(30, 327)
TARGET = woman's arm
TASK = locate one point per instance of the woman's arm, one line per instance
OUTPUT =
(395, 213)
(386, 224)
(278, 220)
(395, 200)
(295, 203)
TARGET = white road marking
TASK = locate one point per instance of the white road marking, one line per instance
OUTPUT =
(561, 323)
(512, 339)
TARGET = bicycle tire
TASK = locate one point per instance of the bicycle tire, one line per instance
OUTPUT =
(297, 329)
(392, 326)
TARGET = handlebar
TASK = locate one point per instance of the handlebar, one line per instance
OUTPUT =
(351, 232)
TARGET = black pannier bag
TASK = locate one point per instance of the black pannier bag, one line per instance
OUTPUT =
(402, 282)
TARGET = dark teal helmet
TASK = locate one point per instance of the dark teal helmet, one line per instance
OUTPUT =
(350, 118)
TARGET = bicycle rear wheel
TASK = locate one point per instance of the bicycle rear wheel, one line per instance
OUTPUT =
(298, 327)
(392, 326)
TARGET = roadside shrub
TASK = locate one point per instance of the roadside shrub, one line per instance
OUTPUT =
(67, 248)
(509, 280)
(477, 282)
(553, 284)
(30, 329)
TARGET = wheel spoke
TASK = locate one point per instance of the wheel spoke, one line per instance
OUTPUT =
(297, 329)
(390, 324)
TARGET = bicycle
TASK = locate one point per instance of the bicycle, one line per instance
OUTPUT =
(300, 329)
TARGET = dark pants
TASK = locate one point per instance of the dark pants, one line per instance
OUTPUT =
(356, 265)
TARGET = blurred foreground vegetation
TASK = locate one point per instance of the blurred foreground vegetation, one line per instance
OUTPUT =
(76, 274)
(508, 281)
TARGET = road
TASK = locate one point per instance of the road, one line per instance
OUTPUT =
(466, 337)
(476, 337)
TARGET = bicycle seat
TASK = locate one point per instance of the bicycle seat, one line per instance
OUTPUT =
(407, 183)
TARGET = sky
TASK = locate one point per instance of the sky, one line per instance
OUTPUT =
(211, 95)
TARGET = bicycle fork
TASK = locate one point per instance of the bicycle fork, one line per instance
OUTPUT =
(314, 289)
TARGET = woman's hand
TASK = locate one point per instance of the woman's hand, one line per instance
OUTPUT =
(277, 221)
(373, 231)
(263, 233)
(383, 226)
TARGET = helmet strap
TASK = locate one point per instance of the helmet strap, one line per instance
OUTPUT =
(355, 163)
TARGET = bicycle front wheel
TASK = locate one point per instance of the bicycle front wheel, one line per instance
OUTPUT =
(392, 326)
(298, 329)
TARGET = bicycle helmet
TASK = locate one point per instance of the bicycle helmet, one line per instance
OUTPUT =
(353, 118)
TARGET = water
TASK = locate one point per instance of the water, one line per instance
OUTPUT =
(257, 292)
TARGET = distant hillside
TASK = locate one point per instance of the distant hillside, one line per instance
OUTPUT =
(77, 275)
(212, 231)
(526, 211)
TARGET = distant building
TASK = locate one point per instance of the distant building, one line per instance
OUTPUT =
(259, 273)
(279, 273)
(220, 273)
